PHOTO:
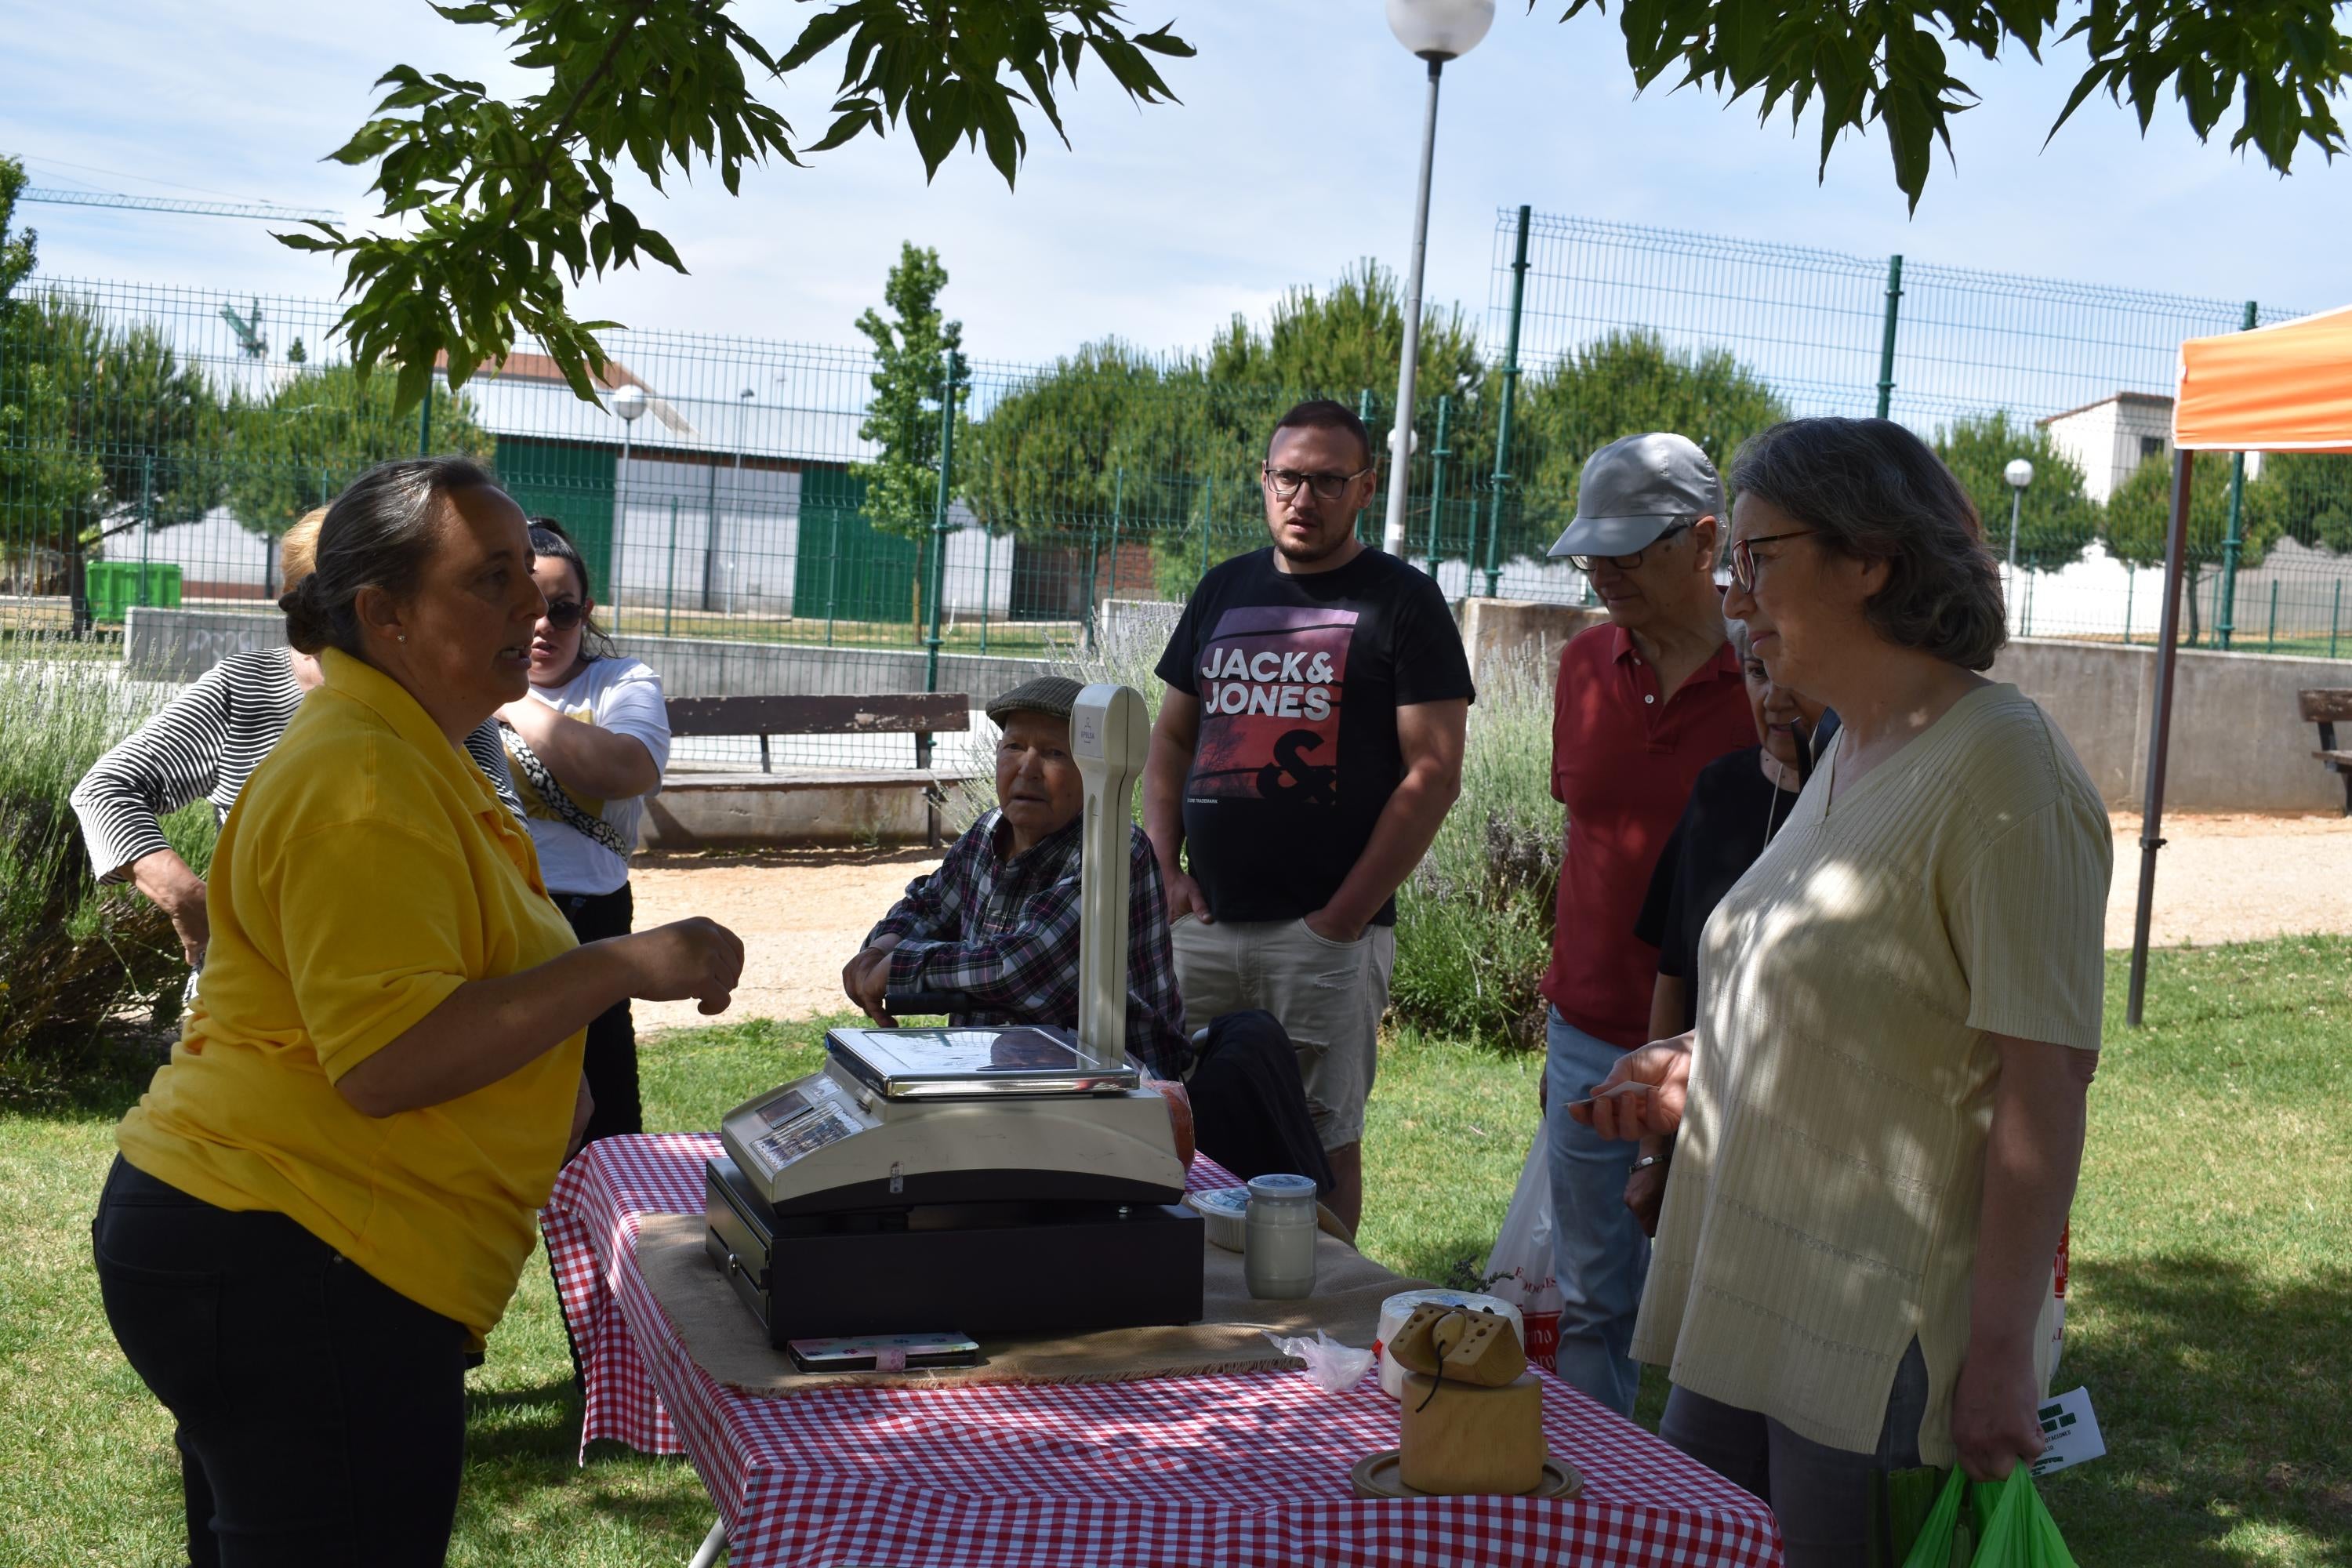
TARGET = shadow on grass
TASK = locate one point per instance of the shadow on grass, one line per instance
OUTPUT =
(2225, 1403)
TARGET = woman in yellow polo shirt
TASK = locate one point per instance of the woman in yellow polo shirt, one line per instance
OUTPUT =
(327, 1197)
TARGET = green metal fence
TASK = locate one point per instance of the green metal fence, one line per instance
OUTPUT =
(1625, 327)
(157, 440)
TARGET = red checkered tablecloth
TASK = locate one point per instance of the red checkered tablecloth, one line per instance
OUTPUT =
(1191, 1470)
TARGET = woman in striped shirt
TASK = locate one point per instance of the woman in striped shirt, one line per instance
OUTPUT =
(203, 746)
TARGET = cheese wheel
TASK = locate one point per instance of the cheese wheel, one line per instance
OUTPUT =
(1462, 1438)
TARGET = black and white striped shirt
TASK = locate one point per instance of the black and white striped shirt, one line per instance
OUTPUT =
(204, 745)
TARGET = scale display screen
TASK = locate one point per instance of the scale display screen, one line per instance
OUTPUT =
(829, 1123)
(784, 1108)
(924, 1063)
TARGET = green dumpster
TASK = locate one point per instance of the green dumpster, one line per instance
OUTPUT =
(115, 586)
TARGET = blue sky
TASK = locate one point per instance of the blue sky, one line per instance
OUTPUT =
(1290, 157)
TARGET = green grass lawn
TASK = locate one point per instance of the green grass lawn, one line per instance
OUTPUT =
(2212, 1317)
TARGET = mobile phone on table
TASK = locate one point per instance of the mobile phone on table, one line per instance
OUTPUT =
(883, 1352)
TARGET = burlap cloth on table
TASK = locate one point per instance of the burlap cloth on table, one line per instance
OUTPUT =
(726, 1341)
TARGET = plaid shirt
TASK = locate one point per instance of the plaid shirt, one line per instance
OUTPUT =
(1006, 933)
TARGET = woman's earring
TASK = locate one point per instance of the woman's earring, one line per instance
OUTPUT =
(401, 636)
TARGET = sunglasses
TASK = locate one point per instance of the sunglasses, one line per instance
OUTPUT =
(565, 614)
(1627, 563)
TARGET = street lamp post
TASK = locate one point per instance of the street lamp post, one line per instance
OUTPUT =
(1435, 31)
(629, 403)
(2019, 474)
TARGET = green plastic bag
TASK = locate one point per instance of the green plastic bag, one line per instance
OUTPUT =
(2006, 1527)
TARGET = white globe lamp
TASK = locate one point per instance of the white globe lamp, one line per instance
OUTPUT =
(1440, 29)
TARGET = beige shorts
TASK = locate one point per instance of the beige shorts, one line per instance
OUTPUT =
(1328, 995)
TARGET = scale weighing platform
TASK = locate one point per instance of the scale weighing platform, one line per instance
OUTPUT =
(989, 1180)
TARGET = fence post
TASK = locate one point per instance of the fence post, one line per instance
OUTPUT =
(1117, 496)
(832, 576)
(146, 530)
(940, 540)
(2233, 542)
(2333, 610)
(2273, 647)
(1503, 417)
(1886, 343)
(1437, 456)
(669, 585)
(2131, 575)
(987, 564)
(1208, 504)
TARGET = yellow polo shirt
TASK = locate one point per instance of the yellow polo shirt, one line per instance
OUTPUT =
(367, 873)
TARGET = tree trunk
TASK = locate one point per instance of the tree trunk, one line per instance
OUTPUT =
(2190, 590)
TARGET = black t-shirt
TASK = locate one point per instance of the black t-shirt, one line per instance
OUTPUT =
(1733, 812)
(1299, 678)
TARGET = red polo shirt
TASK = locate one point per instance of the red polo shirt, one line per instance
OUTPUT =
(1623, 759)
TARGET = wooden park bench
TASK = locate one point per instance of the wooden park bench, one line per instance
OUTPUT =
(2324, 706)
(698, 809)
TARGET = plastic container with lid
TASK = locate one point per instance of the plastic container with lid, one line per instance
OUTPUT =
(1226, 1213)
(1278, 1257)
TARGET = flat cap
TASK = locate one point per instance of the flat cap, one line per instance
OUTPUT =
(1050, 694)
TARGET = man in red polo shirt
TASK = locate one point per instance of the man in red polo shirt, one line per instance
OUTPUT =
(1643, 703)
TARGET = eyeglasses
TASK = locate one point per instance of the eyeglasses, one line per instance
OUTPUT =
(1626, 562)
(565, 614)
(1743, 555)
(1285, 482)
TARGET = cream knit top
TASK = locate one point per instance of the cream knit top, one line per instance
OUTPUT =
(1822, 1212)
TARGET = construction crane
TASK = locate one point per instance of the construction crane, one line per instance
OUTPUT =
(266, 211)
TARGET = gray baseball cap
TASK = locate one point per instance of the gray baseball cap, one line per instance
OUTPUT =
(1636, 488)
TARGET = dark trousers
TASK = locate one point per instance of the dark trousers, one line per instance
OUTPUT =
(321, 1413)
(1249, 1108)
(611, 1063)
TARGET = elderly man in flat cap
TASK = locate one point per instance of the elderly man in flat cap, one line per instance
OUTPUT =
(999, 920)
(1643, 703)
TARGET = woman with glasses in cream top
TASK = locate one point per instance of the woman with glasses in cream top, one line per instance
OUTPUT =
(1882, 1106)
(587, 745)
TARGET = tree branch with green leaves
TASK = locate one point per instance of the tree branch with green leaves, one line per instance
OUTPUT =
(2281, 62)
(497, 208)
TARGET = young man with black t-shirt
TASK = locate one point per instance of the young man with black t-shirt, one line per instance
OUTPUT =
(1307, 748)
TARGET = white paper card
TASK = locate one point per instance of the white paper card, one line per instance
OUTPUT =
(2072, 1430)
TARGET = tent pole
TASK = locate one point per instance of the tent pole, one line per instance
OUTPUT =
(2151, 830)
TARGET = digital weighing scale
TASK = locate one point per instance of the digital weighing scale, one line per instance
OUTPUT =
(986, 1180)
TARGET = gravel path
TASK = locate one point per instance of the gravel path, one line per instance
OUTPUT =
(801, 912)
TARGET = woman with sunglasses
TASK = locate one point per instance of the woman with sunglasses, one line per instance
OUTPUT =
(587, 745)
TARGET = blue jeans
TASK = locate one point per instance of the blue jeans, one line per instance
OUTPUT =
(1597, 1249)
(321, 1413)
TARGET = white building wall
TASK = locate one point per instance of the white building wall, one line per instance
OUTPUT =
(729, 550)
(218, 556)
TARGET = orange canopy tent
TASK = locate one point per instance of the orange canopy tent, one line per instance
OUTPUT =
(2284, 388)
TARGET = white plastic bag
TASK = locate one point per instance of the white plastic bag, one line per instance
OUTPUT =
(1335, 1367)
(1520, 1269)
